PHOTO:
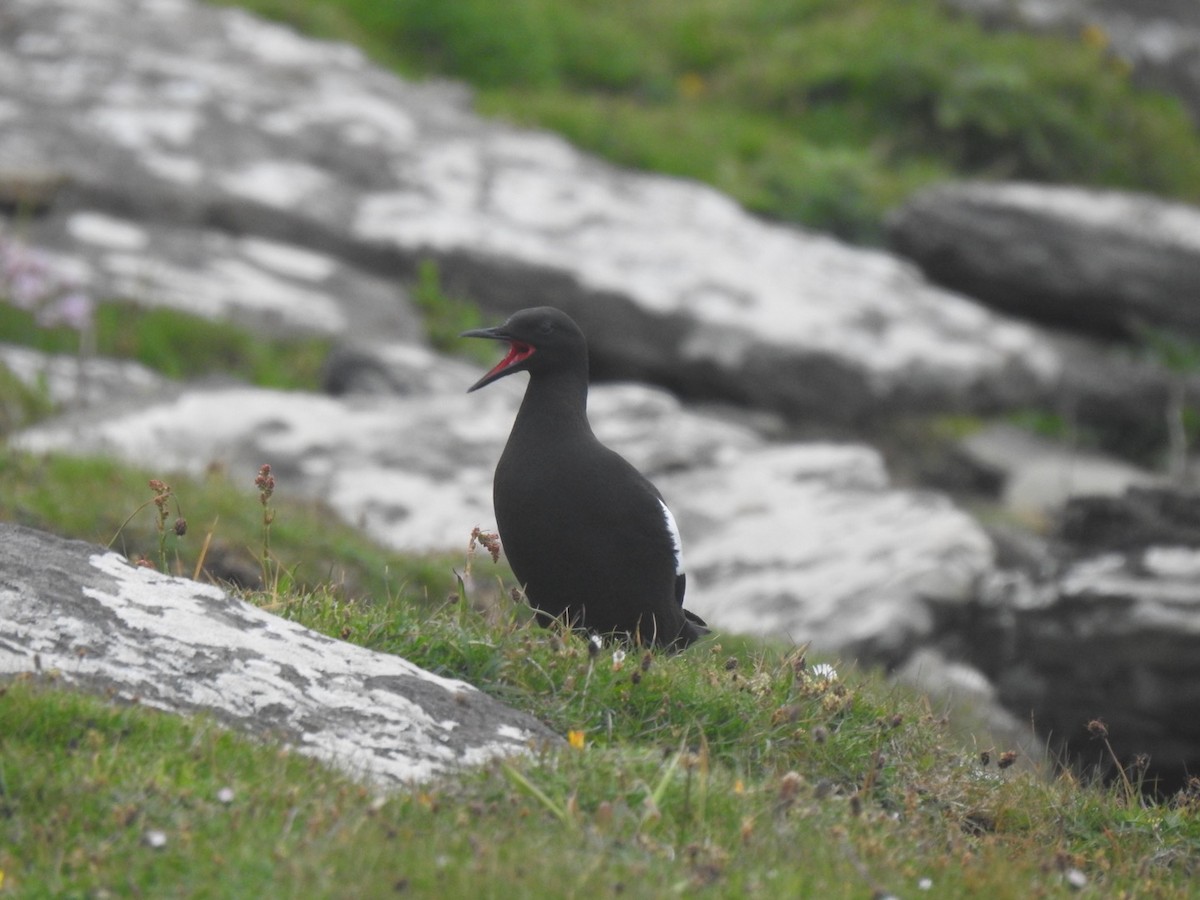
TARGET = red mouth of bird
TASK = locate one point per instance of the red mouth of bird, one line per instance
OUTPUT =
(518, 352)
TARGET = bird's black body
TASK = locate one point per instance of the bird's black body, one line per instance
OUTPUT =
(589, 538)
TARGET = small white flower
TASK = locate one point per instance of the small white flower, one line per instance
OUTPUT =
(155, 839)
(824, 672)
(225, 795)
(925, 883)
(618, 660)
(1076, 879)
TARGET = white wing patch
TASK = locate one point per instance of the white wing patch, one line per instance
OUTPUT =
(675, 539)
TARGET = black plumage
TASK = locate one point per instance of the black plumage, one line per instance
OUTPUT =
(588, 537)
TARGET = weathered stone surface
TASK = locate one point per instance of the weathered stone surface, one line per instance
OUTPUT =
(1112, 634)
(1098, 261)
(806, 541)
(809, 542)
(226, 165)
(75, 381)
(1139, 518)
(177, 645)
(1040, 475)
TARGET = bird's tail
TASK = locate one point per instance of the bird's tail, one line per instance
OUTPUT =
(694, 628)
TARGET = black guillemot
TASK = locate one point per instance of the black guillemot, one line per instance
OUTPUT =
(589, 538)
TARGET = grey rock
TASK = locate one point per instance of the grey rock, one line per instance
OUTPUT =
(1101, 263)
(226, 165)
(81, 381)
(811, 543)
(1042, 475)
(1113, 634)
(1104, 262)
(1138, 518)
(168, 643)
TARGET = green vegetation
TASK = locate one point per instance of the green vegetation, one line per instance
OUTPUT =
(446, 316)
(179, 345)
(93, 499)
(21, 404)
(734, 769)
(825, 113)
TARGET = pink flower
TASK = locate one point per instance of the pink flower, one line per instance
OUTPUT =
(73, 309)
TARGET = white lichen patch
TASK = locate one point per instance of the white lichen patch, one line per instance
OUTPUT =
(182, 646)
(107, 231)
(279, 183)
(284, 259)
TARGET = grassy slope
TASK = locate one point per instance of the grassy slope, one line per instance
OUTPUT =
(731, 769)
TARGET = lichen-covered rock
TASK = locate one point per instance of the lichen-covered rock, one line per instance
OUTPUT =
(225, 165)
(1110, 262)
(1112, 634)
(105, 626)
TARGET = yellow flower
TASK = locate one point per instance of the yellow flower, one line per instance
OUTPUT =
(576, 739)
(691, 85)
(1094, 36)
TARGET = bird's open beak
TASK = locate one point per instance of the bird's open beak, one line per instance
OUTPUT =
(518, 352)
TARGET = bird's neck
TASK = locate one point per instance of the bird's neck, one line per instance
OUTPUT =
(554, 404)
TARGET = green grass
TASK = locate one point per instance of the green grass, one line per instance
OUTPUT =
(730, 770)
(180, 345)
(89, 499)
(825, 113)
(447, 316)
(21, 404)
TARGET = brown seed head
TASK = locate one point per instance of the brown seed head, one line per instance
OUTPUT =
(265, 482)
(789, 787)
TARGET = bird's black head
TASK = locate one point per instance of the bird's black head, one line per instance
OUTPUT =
(540, 340)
